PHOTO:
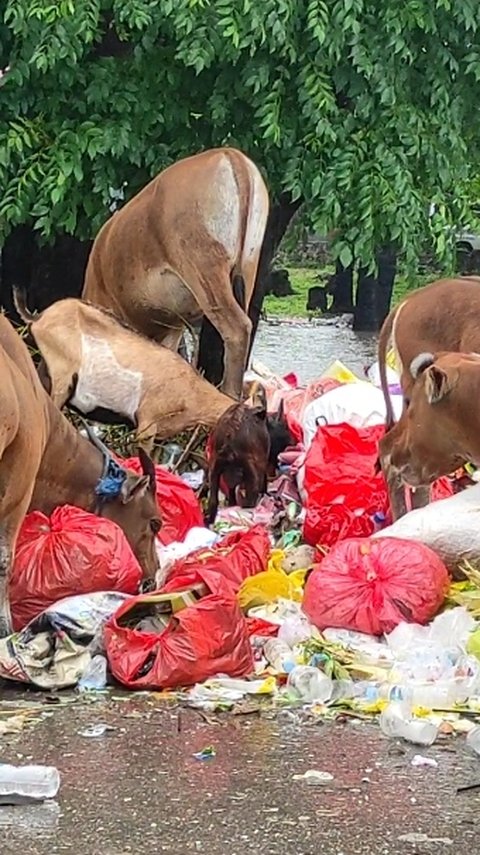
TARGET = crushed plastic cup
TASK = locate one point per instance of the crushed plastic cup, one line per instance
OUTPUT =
(310, 684)
(396, 722)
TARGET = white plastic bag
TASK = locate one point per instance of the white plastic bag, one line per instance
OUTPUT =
(451, 527)
(357, 404)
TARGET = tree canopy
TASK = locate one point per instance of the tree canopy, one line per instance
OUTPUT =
(364, 109)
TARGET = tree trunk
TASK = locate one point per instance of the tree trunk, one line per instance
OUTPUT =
(374, 293)
(48, 273)
(342, 288)
(210, 354)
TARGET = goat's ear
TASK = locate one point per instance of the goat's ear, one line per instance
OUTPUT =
(420, 363)
(133, 487)
(260, 412)
(148, 467)
(437, 384)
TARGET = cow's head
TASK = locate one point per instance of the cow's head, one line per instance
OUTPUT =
(130, 501)
(433, 436)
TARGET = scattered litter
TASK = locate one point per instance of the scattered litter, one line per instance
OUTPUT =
(297, 607)
(419, 760)
(314, 777)
(206, 753)
(96, 730)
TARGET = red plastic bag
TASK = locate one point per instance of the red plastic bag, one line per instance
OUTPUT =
(178, 504)
(238, 555)
(343, 491)
(201, 640)
(71, 552)
(373, 585)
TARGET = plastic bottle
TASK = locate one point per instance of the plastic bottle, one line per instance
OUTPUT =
(473, 739)
(279, 655)
(310, 684)
(21, 785)
(396, 722)
(94, 678)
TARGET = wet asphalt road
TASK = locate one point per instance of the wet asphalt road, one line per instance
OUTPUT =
(139, 789)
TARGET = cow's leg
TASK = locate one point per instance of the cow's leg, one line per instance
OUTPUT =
(5, 564)
(9, 529)
(236, 340)
(396, 491)
(235, 328)
(420, 497)
(146, 429)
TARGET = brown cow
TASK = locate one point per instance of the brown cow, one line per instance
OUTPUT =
(44, 463)
(439, 317)
(102, 367)
(439, 431)
(186, 246)
(442, 316)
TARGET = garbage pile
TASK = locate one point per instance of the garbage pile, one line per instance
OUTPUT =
(312, 600)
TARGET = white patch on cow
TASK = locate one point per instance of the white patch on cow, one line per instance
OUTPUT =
(257, 215)
(103, 382)
(221, 208)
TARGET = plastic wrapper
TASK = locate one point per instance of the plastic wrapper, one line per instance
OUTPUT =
(71, 552)
(359, 404)
(373, 585)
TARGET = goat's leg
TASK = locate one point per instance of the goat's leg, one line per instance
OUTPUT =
(214, 487)
(252, 487)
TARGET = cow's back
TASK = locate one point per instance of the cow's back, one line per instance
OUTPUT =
(444, 315)
(188, 217)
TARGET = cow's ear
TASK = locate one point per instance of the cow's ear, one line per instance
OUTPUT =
(420, 363)
(437, 384)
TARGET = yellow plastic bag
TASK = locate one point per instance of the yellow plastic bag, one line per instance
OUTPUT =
(391, 360)
(272, 583)
(339, 371)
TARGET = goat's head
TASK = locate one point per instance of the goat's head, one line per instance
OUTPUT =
(130, 501)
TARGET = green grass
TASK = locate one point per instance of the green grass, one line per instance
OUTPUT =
(302, 278)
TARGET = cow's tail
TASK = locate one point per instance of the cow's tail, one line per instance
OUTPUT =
(383, 342)
(20, 303)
